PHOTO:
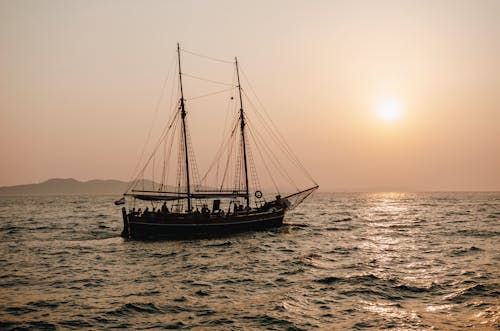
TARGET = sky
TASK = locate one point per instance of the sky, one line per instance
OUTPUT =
(371, 95)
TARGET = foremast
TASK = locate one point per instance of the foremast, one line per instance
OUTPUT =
(183, 116)
(242, 126)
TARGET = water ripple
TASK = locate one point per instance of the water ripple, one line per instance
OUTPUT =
(343, 261)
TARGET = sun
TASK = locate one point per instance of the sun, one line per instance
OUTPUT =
(389, 110)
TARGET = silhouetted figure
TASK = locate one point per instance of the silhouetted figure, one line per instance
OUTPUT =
(164, 208)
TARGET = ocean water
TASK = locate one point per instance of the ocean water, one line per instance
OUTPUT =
(360, 261)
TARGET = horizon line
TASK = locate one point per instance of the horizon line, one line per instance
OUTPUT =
(320, 190)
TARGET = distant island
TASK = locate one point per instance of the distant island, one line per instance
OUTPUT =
(69, 186)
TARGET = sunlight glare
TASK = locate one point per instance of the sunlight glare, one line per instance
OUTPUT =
(389, 110)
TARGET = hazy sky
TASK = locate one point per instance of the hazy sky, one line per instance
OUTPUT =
(80, 81)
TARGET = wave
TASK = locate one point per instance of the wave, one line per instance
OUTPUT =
(238, 280)
(132, 308)
(18, 311)
(164, 255)
(171, 326)
(76, 324)
(143, 294)
(416, 289)
(343, 250)
(345, 219)
(372, 291)
(46, 304)
(224, 244)
(271, 322)
(465, 251)
(478, 233)
(389, 288)
(12, 229)
(358, 279)
(27, 325)
(202, 293)
(340, 228)
(70, 269)
(471, 292)
(330, 280)
(298, 225)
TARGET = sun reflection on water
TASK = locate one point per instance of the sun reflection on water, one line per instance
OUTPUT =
(376, 261)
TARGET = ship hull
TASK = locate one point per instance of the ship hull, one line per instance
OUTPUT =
(187, 226)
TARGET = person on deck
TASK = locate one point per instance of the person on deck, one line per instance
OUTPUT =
(205, 211)
(164, 208)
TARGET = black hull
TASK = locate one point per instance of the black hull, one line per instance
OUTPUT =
(138, 227)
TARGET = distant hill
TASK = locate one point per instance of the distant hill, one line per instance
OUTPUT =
(70, 186)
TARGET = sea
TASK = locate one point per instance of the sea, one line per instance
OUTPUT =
(343, 261)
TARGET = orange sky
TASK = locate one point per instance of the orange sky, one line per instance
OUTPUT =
(80, 81)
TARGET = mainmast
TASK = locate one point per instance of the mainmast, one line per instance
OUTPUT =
(183, 116)
(242, 126)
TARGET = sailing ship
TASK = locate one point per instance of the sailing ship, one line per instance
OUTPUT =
(189, 207)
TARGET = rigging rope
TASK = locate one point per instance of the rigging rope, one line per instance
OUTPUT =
(253, 170)
(210, 94)
(226, 146)
(279, 140)
(230, 109)
(228, 160)
(208, 80)
(264, 162)
(274, 160)
(162, 137)
(193, 165)
(261, 136)
(157, 107)
(158, 144)
(283, 141)
(168, 154)
(207, 57)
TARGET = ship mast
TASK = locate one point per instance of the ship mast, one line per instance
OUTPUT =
(183, 116)
(242, 126)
